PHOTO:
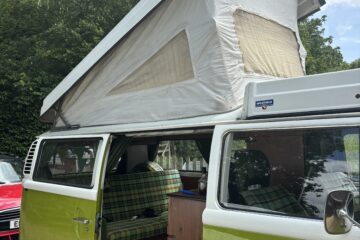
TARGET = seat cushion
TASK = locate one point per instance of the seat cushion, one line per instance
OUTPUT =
(138, 228)
(275, 199)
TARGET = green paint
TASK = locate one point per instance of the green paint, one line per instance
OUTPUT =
(216, 233)
(46, 216)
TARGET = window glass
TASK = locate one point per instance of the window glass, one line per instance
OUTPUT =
(8, 173)
(289, 172)
(267, 47)
(180, 154)
(67, 162)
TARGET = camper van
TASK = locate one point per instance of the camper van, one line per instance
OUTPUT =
(195, 120)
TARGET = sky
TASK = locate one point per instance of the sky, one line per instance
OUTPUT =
(343, 23)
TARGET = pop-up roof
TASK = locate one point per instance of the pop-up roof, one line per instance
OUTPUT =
(180, 59)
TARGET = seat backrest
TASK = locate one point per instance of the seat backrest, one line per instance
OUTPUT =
(130, 194)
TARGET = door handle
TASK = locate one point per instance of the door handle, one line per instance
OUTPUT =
(81, 220)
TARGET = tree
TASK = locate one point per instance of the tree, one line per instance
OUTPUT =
(40, 42)
(321, 55)
(355, 64)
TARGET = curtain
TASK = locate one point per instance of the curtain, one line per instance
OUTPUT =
(152, 151)
(204, 146)
(117, 149)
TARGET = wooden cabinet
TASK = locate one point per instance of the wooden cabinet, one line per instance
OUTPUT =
(185, 216)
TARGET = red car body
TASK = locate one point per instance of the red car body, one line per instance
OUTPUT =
(10, 200)
(10, 197)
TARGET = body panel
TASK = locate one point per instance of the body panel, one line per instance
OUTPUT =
(41, 220)
(10, 196)
(215, 233)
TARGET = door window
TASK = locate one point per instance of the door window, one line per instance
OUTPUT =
(67, 162)
(289, 172)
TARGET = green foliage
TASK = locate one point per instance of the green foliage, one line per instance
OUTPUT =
(355, 64)
(40, 42)
(321, 55)
(185, 149)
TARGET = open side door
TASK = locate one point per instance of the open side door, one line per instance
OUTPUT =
(62, 187)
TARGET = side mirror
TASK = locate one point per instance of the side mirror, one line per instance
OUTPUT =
(339, 212)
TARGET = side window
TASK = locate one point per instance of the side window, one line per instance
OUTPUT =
(186, 155)
(67, 162)
(289, 172)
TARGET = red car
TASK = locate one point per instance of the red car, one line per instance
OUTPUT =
(10, 196)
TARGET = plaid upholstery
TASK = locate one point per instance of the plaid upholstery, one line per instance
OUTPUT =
(275, 199)
(130, 194)
(137, 229)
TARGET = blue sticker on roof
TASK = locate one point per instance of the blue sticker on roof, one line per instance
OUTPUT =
(264, 103)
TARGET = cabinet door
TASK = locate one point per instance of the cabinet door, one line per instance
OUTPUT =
(185, 218)
(271, 180)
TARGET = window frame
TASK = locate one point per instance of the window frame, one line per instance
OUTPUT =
(40, 152)
(256, 210)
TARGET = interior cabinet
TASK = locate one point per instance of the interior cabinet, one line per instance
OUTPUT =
(185, 216)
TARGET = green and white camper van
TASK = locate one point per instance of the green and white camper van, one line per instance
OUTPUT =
(181, 86)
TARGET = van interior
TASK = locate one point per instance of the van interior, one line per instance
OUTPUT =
(141, 172)
(151, 181)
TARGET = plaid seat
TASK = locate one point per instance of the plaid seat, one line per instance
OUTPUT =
(130, 195)
(275, 199)
(138, 228)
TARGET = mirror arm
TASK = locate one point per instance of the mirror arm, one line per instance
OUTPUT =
(342, 213)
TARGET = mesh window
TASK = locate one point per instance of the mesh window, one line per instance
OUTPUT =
(267, 47)
(171, 64)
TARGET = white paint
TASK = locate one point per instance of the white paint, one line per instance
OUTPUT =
(190, 123)
(291, 227)
(319, 92)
